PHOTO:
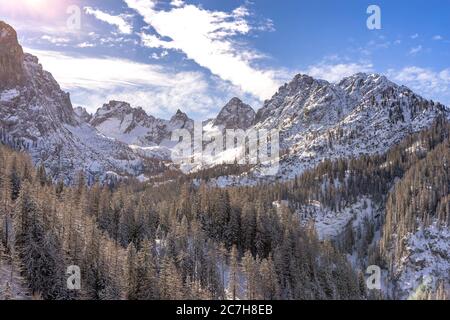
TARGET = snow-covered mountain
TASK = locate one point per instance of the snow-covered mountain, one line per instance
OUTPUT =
(317, 120)
(132, 126)
(36, 115)
(180, 121)
(362, 114)
(152, 136)
(144, 133)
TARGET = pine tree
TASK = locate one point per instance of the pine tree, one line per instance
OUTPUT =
(268, 283)
(170, 283)
(147, 273)
(132, 280)
(249, 270)
(234, 274)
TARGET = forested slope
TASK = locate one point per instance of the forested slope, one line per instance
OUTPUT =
(168, 242)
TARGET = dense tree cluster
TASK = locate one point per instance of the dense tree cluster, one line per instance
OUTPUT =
(167, 242)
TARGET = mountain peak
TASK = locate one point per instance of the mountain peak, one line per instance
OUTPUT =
(181, 121)
(235, 115)
(361, 84)
(124, 113)
(82, 114)
(235, 100)
(368, 77)
(11, 58)
(305, 79)
(179, 115)
(115, 105)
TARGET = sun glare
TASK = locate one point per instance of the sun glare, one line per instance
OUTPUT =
(34, 3)
(26, 8)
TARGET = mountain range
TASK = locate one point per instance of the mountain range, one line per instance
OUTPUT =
(318, 121)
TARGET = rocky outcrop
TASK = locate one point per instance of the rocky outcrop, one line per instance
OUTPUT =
(235, 115)
(11, 58)
(82, 114)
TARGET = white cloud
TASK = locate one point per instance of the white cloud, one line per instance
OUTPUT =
(118, 21)
(159, 90)
(177, 3)
(206, 37)
(415, 36)
(431, 84)
(437, 37)
(336, 72)
(55, 40)
(415, 50)
(157, 56)
(85, 45)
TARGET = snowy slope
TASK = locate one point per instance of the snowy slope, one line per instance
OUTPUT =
(427, 260)
(37, 116)
(132, 126)
(12, 286)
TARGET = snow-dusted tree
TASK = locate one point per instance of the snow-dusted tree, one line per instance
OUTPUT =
(39, 249)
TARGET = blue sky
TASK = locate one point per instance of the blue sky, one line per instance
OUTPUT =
(196, 55)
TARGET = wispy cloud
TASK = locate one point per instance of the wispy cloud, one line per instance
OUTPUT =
(119, 21)
(206, 37)
(414, 36)
(85, 45)
(415, 50)
(335, 72)
(159, 90)
(56, 40)
(437, 37)
(431, 84)
(177, 3)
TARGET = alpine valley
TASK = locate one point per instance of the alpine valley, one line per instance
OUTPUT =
(364, 180)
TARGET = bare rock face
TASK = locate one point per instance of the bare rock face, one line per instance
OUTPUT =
(82, 114)
(235, 115)
(11, 58)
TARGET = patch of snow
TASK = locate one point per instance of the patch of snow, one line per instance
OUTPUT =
(331, 224)
(142, 178)
(8, 95)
